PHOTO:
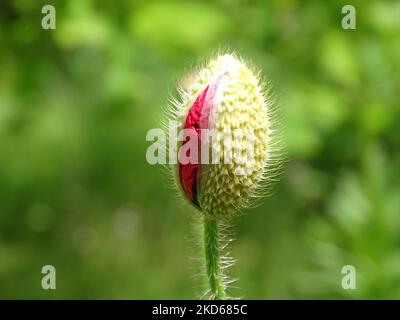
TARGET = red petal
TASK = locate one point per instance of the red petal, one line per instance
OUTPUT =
(188, 172)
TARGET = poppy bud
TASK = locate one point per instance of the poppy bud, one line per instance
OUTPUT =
(225, 151)
(224, 111)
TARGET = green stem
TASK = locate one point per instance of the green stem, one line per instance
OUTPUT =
(213, 259)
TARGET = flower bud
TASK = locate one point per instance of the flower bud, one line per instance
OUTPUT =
(224, 109)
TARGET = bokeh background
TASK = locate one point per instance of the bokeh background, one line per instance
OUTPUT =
(76, 191)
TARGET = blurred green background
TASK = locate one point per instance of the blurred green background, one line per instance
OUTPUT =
(76, 191)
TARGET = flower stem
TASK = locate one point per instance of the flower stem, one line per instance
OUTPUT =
(213, 259)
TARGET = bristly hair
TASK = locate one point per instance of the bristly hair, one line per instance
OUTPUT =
(199, 275)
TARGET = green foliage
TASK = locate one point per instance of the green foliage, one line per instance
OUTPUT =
(76, 104)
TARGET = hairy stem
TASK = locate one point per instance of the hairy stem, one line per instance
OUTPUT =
(213, 258)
